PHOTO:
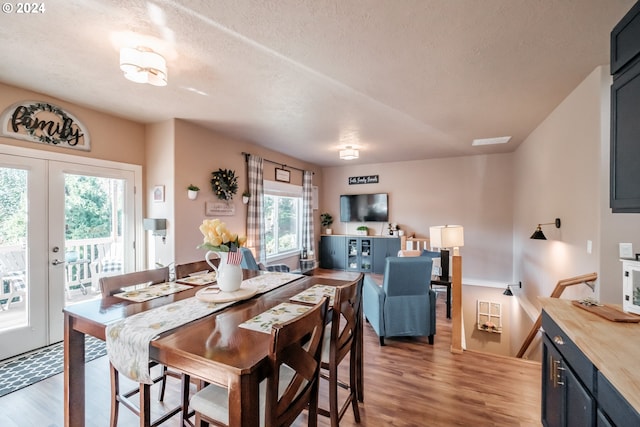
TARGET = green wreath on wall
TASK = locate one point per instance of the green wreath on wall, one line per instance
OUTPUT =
(224, 184)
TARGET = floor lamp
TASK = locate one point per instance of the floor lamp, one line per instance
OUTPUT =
(445, 237)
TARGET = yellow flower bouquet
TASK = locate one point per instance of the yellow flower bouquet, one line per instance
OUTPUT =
(218, 238)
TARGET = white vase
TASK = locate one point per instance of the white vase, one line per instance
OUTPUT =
(228, 276)
(192, 194)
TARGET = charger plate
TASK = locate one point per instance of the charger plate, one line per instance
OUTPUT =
(208, 294)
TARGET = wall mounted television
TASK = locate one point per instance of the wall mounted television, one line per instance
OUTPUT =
(364, 207)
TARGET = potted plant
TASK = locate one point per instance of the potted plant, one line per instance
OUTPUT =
(363, 230)
(326, 220)
(245, 196)
(192, 191)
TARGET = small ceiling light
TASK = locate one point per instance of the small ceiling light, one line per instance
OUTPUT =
(143, 65)
(349, 153)
(539, 235)
(491, 141)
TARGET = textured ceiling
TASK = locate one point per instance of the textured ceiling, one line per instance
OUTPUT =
(400, 79)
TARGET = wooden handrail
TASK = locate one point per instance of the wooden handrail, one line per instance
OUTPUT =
(557, 291)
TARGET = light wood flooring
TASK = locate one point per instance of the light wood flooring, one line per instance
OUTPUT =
(407, 383)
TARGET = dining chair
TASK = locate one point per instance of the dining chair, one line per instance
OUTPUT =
(295, 352)
(250, 263)
(186, 269)
(341, 339)
(112, 285)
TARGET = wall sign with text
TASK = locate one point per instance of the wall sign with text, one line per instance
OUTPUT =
(44, 123)
(366, 179)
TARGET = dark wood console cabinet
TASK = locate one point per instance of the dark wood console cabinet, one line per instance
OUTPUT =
(624, 192)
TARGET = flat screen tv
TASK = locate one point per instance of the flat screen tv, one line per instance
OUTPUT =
(364, 207)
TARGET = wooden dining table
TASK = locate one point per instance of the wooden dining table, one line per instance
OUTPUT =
(213, 348)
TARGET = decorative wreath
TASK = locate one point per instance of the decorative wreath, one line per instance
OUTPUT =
(224, 184)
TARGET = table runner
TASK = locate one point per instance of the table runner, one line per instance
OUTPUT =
(128, 339)
(151, 292)
(199, 279)
(314, 294)
(281, 313)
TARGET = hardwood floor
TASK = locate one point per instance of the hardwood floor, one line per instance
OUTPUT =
(407, 383)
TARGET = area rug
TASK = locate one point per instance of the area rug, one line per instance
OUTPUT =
(38, 365)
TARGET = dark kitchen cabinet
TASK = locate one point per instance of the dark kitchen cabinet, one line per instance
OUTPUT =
(624, 191)
(567, 382)
(574, 391)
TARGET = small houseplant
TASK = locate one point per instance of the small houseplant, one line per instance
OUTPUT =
(245, 196)
(326, 220)
(192, 191)
(362, 230)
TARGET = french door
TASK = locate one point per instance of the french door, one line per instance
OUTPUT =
(63, 225)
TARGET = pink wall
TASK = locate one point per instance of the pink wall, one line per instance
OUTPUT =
(160, 171)
(112, 138)
(474, 191)
(563, 171)
(197, 152)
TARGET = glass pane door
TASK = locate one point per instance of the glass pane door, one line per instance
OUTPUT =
(93, 233)
(91, 217)
(22, 255)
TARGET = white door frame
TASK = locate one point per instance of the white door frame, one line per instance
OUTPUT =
(81, 161)
(56, 211)
(34, 333)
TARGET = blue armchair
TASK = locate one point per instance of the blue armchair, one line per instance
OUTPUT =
(249, 263)
(404, 305)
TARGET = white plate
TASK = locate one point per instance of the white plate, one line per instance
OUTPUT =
(209, 295)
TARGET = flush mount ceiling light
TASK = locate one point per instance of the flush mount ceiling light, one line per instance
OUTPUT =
(143, 65)
(349, 153)
(491, 141)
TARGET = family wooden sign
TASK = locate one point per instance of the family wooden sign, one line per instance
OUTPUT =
(44, 123)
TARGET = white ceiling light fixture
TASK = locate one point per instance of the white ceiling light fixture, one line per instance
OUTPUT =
(491, 141)
(349, 153)
(143, 65)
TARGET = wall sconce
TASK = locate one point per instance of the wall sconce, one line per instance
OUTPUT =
(539, 235)
(508, 292)
(445, 237)
(157, 226)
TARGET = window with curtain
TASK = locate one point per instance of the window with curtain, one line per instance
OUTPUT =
(282, 219)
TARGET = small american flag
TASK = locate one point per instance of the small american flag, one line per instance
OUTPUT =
(234, 258)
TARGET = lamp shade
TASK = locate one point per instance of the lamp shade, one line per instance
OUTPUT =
(158, 226)
(446, 236)
(538, 234)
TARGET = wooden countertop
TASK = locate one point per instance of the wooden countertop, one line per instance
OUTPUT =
(613, 347)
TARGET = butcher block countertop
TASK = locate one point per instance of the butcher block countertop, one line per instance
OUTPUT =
(613, 347)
